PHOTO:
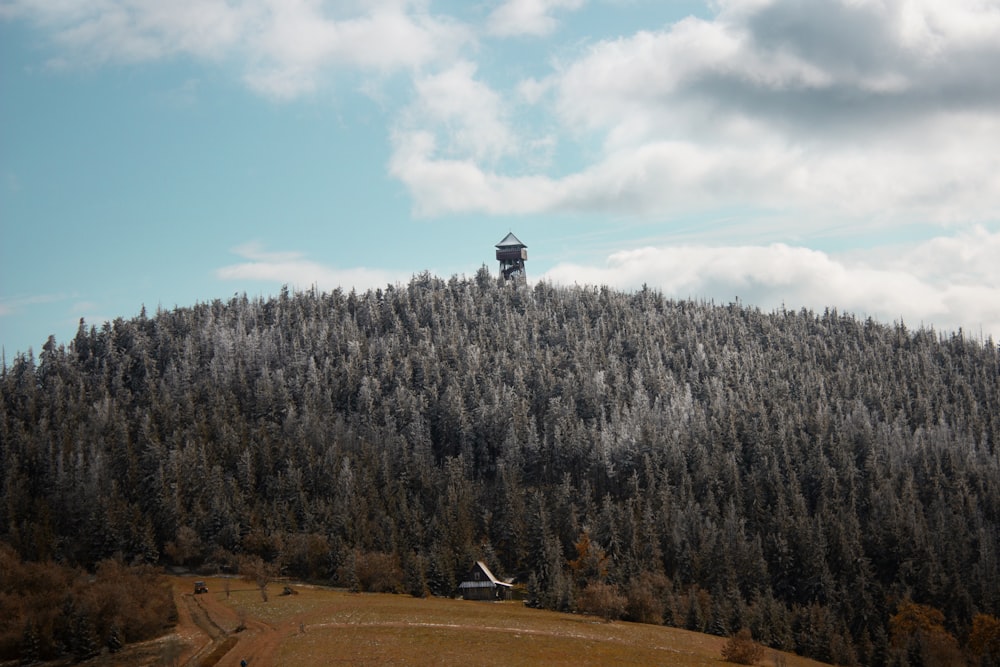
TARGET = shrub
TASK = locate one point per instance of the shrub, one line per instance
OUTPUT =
(742, 649)
(372, 572)
(602, 600)
(646, 595)
(48, 610)
(917, 631)
(984, 638)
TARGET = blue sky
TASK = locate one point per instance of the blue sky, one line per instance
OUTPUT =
(842, 154)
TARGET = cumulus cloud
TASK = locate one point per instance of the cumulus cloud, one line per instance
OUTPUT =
(131, 31)
(283, 47)
(469, 113)
(442, 185)
(298, 40)
(881, 112)
(946, 282)
(294, 268)
(452, 142)
(528, 17)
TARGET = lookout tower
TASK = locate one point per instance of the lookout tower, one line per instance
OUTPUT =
(511, 254)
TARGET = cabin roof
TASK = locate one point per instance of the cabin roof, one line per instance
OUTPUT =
(511, 241)
(481, 584)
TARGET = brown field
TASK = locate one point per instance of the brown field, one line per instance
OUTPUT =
(321, 626)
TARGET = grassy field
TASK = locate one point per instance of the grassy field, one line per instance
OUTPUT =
(323, 627)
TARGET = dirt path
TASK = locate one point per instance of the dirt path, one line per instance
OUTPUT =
(205, 616)
(189, 634)
(206, 625)
(255, 644)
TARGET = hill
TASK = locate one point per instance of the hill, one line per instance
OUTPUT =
(805, 475)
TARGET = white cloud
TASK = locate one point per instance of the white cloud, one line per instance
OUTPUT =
(947, 282)
(867, 112)
(470, 114)
(297, 40)
(134, 31)
(283, 46)
(532, 90)
(442, 185)
(528, 17)
(452, 141)
(293, 268)
(969, 258)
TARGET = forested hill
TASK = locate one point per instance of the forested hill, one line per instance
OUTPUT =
(805, 475)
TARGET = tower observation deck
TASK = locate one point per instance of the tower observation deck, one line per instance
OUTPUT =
(512, 254)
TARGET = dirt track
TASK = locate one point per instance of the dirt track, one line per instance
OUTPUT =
(207, 627)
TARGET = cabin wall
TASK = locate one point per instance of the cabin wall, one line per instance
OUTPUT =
(485, 593)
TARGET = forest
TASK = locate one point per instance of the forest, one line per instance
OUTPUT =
(828, 482)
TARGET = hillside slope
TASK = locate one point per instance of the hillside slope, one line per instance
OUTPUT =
(715, 466)
(319, 626)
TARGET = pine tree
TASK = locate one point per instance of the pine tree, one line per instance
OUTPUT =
(29, 647)
(115, 639)
(415, 580)
(83, 639)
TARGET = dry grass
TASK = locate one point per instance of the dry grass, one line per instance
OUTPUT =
(345, 628)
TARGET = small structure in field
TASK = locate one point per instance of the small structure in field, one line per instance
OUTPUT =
(481, 584)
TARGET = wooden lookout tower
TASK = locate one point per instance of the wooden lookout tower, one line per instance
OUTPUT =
(512, 254)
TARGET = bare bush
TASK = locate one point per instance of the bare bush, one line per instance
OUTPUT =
(602, 600)
(257, 571)
(646, 595)
(742, 649)
(49, 609)
(379, 572)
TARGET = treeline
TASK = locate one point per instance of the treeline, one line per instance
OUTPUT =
(714, 467)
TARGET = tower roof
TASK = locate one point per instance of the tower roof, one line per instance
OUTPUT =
(511, 241)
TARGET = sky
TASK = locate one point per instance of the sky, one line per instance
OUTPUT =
(784, 153)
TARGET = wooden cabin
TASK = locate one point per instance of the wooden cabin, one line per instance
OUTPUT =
(481, 584)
